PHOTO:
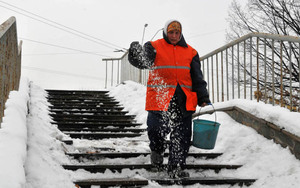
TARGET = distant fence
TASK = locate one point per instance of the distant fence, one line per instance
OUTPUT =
(122, 72)
(10, 61)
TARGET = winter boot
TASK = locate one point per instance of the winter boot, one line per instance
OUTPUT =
(157, 160)
(177, 172)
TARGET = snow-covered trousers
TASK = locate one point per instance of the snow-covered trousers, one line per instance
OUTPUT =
(160, 124)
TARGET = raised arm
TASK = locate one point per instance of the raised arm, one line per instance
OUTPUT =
(141, 57)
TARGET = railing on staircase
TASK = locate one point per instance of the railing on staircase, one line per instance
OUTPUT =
(257, 66)
(266, 69)
(10, 61)
(127, 72)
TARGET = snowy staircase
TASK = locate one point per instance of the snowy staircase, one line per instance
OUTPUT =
(90, 114)
(94, 115)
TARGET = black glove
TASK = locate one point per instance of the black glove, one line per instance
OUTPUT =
(203, 100)
(135, 49)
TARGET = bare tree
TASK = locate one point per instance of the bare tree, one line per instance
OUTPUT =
(276, 17)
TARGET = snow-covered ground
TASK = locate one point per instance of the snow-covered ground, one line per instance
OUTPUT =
(31, 151)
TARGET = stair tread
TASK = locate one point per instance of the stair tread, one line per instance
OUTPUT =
(104, 135)
(88, 121)
(99, 124)
(75, 91)
(79, 101)
(204, 180)
(96, 129)
(165, 181)
(112, 182)
(148, 166)
(59, 111)
(92, 115)
(135, 154)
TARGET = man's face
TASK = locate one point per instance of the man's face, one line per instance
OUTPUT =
(174, 36)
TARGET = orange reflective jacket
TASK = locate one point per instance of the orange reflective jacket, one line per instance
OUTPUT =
(171, 67)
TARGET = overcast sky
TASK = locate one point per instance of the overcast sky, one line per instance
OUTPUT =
(71, 56)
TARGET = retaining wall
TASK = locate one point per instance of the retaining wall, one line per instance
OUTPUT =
(10, 61)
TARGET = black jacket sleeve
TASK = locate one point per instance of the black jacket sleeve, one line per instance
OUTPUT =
(199, 85)
(141, 57)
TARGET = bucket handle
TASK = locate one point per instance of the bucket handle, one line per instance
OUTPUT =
(214, 112)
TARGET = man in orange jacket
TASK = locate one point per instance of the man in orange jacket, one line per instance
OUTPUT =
(175, 87)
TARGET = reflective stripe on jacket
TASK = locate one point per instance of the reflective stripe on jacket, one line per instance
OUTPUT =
(171, 67)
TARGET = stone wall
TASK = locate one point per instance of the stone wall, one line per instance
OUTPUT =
(10, 61)
(265, 128)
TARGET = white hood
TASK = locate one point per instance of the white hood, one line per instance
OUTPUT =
(167, 24)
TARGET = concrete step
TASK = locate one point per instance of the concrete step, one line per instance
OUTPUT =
(76, 92)
(86, 107)
(101, 135)
(134, 182)
(119, 167)
(111, 121)
(100, 125)
(88, 111)
(96, 155)
(93, 116)
(117, 130)
(80, 98)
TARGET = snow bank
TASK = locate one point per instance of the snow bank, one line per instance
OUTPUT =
(13, 138)
(281, 117)
(132, 96)
(45, 150)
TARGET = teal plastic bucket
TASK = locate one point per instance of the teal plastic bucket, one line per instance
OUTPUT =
(205, 133)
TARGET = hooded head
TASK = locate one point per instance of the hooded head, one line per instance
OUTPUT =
(171, 30)
(172, 25)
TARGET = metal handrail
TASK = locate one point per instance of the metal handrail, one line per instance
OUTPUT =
(263, 50)
(125, 71)
(250, 35)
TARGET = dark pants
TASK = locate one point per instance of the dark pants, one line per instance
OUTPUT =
(160, 124)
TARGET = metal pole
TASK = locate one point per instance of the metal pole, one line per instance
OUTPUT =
(112, 72)
(105, 74)
(140, 71)
(212, 79)
(222, 75)
(257, 69)
(156, 33)
(281, 74)
(208, 84)
(217, 70)
(202, 67)
(290, 66)
(238, 62)
(245, 81)
(118, 75)
(265, 66)
(232, 59)
(299, 77)
(273, 79)
(251, 68)
(227, 74)
(144, 33)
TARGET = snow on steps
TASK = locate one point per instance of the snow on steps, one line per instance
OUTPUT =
(95, 115)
